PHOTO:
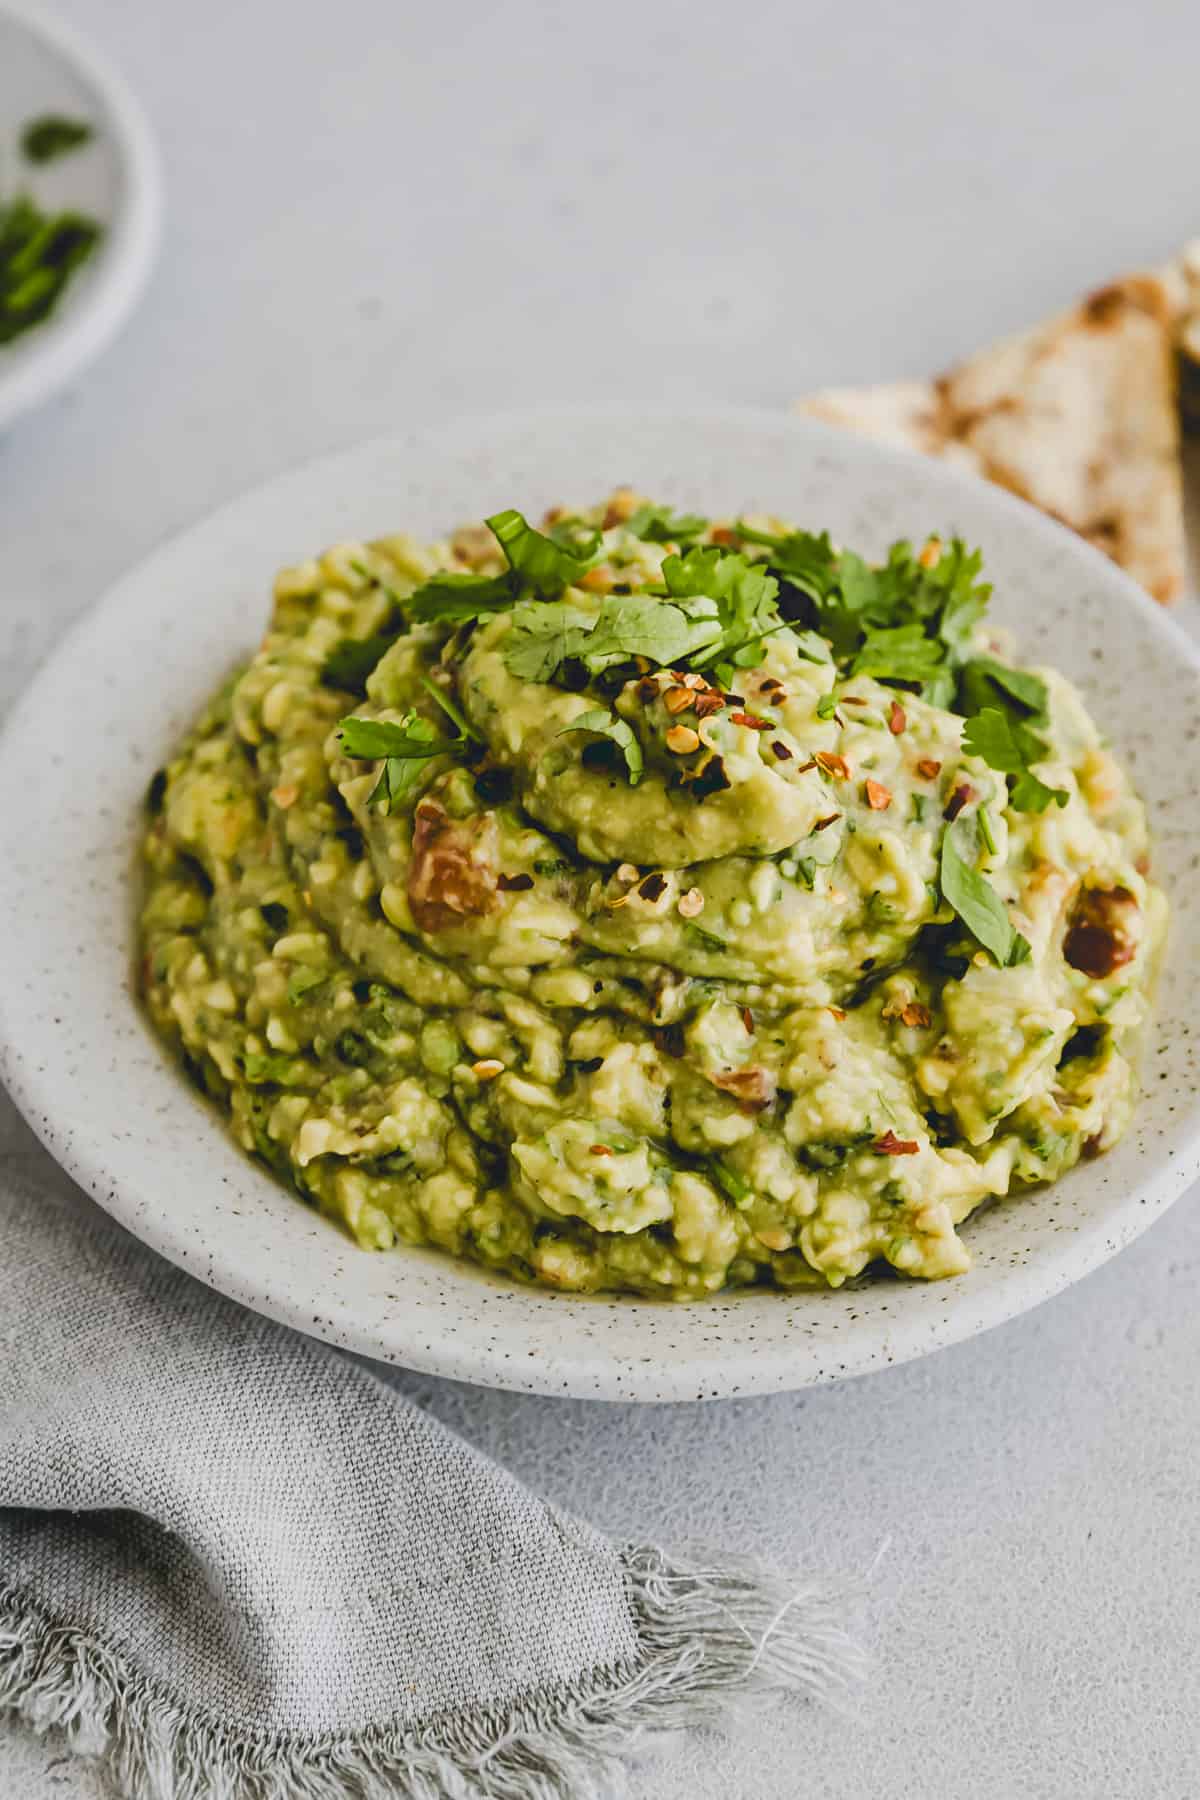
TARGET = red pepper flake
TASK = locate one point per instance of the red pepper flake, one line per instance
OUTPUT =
(821, 824)
(897, 718)
(915, 1014)
(806, 766)
(833, 764)
(647, 690)
(751, 721)
(854, 700)
(707, 704)
(652, 886)
(601, 1150)
(721, 534)
(958, 800)
(928, 768)
(879, 798)
(839, 1012)
(890, 1145)
(748, 1020)
(735, 699)
(780, 750)
(514, 884)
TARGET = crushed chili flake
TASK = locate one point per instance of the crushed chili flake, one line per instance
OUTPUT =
(708, 703)
(598, 580)
(833, 764)
(806, 766)
(832, 819)
(958, 800)
(601, 1150)
(915, 1014)
(931, 555)
(721, 534)
(677, 699)
(285, 796)
(514, 884)
(928, 768)
(879, 798)
(751, 721)
(839, 1012)
(653, 886)
(748, 1020)
(890, 1145)
(647, 690)
(735, 699)
(681, 740)
(488, 1068)
(854, 700)
(897, 718)
(780, 750)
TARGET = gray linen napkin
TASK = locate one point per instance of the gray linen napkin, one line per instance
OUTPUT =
(241, 1568)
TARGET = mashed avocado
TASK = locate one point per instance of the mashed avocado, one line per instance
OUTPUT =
(650, 904)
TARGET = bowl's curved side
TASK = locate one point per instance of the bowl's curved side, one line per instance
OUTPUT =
(101, 298)
(103, 1096)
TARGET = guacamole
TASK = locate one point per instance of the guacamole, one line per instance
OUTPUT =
(650, 903)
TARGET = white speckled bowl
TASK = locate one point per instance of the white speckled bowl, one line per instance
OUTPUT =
(106, 1099)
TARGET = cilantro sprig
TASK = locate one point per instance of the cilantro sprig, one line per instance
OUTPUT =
(1003, 706)
(403, 749)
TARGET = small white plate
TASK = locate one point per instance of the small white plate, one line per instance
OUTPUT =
(107, 1100)
(45, 68)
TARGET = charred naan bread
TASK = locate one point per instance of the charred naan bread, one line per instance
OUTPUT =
(1078, 416)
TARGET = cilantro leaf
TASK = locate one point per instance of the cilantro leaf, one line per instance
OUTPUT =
(804, 559)
(404, 748)
(1010, 747)
(542, 565)
(373, 738)
(659, 525)
(459, 599)
(603, 724)
(542, 637)
(53, 135)
(639, 625)
(745, 594)
(987, 682)
(899, 653)
(975, 900)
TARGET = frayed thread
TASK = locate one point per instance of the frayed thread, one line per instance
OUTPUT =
(708, 1637)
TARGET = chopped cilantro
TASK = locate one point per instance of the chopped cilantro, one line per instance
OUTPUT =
(974, 899)
(735, 1187)
(52, 135)
(1006, 744)
(39, 252)
(622, 734)
(543, 566)
(659, 525)
(403, 749)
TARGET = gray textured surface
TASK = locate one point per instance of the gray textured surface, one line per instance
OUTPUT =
(376, 216)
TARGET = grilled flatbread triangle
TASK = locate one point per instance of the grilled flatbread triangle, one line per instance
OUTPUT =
(1078, 416)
